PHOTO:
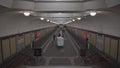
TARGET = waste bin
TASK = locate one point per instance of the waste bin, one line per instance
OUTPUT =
(83, 52)
(38, 52)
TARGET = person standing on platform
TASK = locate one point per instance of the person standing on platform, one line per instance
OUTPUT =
(60, 41)
(54, 39)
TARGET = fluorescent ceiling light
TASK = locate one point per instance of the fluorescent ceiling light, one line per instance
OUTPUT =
(93, 13)
(79, 18)
(42, 18)
(73, 20)
(67, 22)
(58, 0)
(27, 13)
(48, 20)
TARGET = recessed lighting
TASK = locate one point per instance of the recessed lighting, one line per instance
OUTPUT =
(48, 20)
(73, 20)
(59, 13)
(93, 13)
(79, 18)
(42, 18)
(27, 13)
(58, 0)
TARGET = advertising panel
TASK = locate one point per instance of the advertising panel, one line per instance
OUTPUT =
(100, 42)
(20, 42)
(6, 48)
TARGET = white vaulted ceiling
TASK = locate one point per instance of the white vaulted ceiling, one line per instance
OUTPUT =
(13, 21)
(59, 11)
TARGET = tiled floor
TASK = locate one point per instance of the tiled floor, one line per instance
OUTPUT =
(55, 56)
(58, 67)
(57, 61)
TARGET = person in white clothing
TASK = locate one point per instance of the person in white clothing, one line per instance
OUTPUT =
(60, 41)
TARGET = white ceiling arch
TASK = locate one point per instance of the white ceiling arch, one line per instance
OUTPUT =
(60, 12)
(108, 3)
(50, 9)
(58, 5)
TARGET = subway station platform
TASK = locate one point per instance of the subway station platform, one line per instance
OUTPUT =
(90, 29)
(67, 56)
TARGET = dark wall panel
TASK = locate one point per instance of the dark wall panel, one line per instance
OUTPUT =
(113, 50)
(6, 48)
(32, 35)
(107, 45)
(119, 52)
(13, 45)
(20, 42)
(28, 39)
(76, 32)
(100, 42)
(0, 53)
(80, 33)
(93, 38)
